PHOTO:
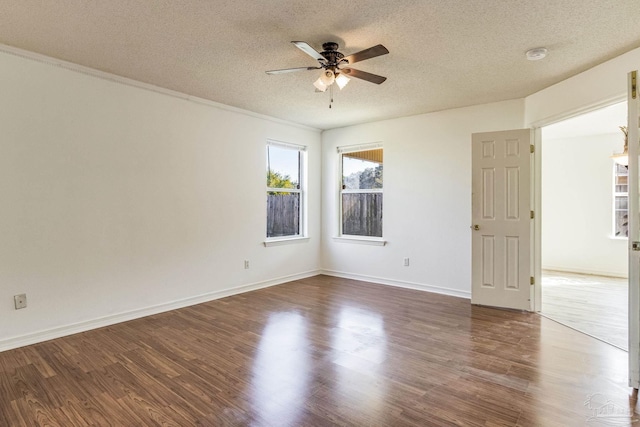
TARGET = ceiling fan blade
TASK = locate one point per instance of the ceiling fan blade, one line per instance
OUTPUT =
(373, 78)
(372, 52)
(291, 70)
(304, 46)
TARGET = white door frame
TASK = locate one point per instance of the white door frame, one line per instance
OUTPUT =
(537, 185)
(634, 292)
(634, 236)
(536, 253)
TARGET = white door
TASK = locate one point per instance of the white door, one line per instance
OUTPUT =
(501, 213)
(633, 98)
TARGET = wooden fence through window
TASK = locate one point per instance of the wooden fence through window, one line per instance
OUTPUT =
(283, 214)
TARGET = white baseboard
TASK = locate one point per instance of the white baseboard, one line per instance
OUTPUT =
(58, 332)
(585, 271)
(400, 284)
(45, 335)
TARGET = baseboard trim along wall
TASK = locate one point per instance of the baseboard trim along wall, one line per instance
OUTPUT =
(399, 284)
(21, 341)
(583, 271)
(62, 331)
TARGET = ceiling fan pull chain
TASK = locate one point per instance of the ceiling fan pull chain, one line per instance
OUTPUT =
(331, 95)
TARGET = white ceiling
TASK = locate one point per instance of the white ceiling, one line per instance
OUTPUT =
(444, 53)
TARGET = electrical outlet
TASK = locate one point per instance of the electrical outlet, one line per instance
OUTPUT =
(406, 262)
(246, 264)
(20, 301)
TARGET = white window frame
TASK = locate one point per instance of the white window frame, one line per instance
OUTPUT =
(302, 191)
(617, 194)
(349, 238)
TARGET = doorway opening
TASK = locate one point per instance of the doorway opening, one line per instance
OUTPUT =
(584, 225)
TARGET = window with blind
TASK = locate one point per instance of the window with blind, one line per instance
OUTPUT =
(361, 191)
(620, 200)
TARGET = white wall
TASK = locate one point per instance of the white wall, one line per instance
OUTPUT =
(577, 195)
(601, 85)
(427, 197)
(118, 201)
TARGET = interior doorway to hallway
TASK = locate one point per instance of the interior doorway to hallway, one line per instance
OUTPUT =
(584, 240)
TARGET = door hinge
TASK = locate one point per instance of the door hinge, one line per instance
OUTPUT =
(532, 215)
(532, 148)
(532, 280)
(634, 91)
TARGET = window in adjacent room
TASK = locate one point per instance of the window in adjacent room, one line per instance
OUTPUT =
(284, 190)
(361, 191)
(620, 201)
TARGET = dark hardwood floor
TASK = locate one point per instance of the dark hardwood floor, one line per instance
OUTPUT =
(319, 352)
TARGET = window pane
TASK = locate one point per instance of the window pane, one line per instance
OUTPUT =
(283, 214)
(362, 214)
(622, 181)
(283, 168)
(622, 224)
(362, 170)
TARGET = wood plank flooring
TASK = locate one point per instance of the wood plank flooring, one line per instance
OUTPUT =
(321, 351)
(594, 305)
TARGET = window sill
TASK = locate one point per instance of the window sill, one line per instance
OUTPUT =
(285, 241)
(360, 240)
(619, 238)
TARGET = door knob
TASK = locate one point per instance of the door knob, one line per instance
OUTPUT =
(476, 227)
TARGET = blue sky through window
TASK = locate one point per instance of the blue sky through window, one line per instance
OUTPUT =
(284, 161)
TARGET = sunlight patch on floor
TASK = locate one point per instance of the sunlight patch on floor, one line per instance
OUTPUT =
(595, 305)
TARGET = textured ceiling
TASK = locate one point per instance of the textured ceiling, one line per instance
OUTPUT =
(444, 53)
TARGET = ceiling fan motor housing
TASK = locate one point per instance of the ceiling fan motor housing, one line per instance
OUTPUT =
(331, 54)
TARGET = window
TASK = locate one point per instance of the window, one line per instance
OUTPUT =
(361, 191)
(284, 190)
(620, 200)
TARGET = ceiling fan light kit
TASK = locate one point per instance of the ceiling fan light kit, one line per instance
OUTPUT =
(328, 77)
(319, 84)
(342, 80)
(330, 61)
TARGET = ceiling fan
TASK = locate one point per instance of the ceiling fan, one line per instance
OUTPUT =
(335, 66)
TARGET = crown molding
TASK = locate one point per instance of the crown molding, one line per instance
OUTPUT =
(44, 59)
